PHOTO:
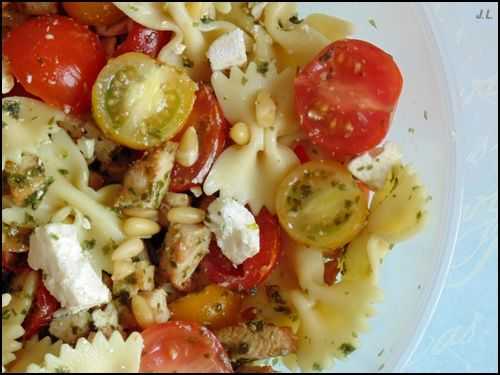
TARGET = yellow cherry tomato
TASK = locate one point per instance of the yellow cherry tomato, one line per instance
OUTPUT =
(139, 102)
(214, 306)
(320, 204)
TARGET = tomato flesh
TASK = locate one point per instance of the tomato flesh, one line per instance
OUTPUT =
(142, 39)
(41, 313)
(252, 271)
(346, 95)
(212, 130)
(56, 59)
(185, 347)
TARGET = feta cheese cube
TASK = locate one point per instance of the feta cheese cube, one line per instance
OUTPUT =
(235, 229)
(68, 274)
(373, 167)
(228, 50)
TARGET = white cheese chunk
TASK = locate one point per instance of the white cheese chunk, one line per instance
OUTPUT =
(373, 167)
(257, 8)
(68, 274)
(235, 229)
(228, 50)
(7, 77)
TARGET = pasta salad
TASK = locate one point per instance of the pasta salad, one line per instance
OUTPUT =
(194, 187)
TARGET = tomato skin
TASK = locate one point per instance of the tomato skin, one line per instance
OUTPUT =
(56, 59)
(94, 13)
(212, 129)
(142, 39)
(178, 346)
(345, 97)
(41, 313)
(301, 153)
(254, 270)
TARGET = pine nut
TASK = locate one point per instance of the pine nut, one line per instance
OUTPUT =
(145, 213)
(139, 227)
(188, 150)
(128, 249)
(265, 109)
(121, 269)
(240, 133)
(142, 312)
(185, 215)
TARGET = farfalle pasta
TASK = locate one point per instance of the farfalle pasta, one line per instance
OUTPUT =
(222, 162)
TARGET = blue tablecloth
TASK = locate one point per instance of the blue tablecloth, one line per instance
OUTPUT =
(463, 335)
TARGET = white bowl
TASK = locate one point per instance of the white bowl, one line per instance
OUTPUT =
(414, 272)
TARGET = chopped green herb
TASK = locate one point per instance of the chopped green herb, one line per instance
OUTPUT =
(372, 22)
(187, 63)
(381, 367)
(206, 19)
(88, 244)
(295, 19)
(253, 226)
(133, 7)
(317, 367)
(347, 348)
(380, 353)
(54, 236)
(262, 67)
(419, 215)
(411, 130)
(426, 115)
(4, 124)
(64, 172)
(6, 314)
(13, 108)
(244, 80)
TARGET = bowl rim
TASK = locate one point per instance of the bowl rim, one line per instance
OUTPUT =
(447, 82)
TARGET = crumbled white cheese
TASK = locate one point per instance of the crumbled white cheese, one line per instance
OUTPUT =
(235, 229)
(106, 318)
(7, 77)
(87, 147)
(228, 50)
(257, 8)
(68, 274)
(372, 167)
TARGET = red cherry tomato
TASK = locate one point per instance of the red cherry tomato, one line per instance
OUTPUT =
(212, 129)
(254, 270)
(41, 312)
(142, 39)
(178, 346)
(56, 59)
(346, 95)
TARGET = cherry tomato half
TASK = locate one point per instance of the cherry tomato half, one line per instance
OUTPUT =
(56, 59)
(346, 95)
(254, 270)
(94, 13)
(178, 346)
(41, 312)
(142, 39)
(212, 130)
